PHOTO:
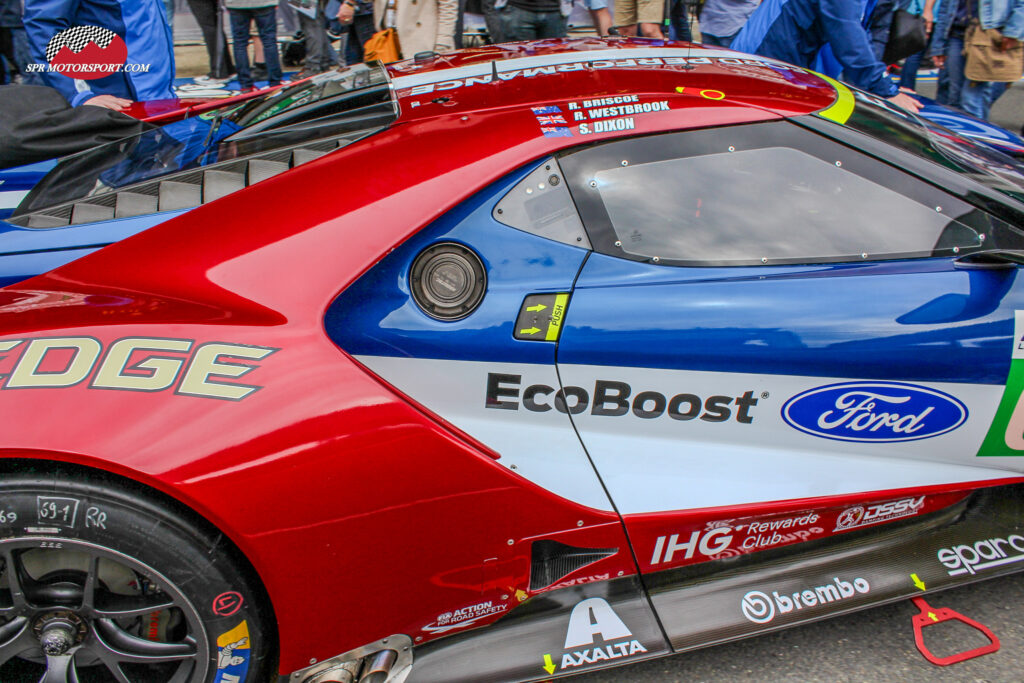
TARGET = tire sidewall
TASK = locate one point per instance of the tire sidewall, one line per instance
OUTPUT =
(58, 513)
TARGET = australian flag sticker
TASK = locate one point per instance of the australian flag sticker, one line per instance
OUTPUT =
(550, 109)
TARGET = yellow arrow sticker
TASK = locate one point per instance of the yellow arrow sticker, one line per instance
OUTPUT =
(931, 615)
(537, 308)
(917, 582)
(555, 326)
(549, 665)
(530, 330)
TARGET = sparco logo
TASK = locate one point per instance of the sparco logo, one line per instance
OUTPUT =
(874, 411)
(612, 398)
(994, 552)
(760, 608)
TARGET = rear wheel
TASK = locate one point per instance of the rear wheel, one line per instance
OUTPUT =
(99, 585)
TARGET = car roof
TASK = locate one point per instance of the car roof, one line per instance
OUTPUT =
(553, 73)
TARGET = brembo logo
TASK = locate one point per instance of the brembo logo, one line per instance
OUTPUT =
(874, 411)
(760, 608)
(612, 398)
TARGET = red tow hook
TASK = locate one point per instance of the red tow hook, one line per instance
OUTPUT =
(929, 616)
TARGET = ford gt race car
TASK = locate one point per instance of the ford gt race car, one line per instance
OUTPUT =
(593, 352)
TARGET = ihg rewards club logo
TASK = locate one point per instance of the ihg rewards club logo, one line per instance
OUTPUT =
(86, 53)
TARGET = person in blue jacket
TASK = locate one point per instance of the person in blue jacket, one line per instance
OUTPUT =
(794, 31)
(143, 26)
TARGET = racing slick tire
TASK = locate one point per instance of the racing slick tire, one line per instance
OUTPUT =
(102, 583)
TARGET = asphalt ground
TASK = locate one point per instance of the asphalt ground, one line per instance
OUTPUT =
(872, 645)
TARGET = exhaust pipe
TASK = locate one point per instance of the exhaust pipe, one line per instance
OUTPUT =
(379, 666)
(343, 673)
(388, 660)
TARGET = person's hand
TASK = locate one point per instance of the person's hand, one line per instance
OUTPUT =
(929, 19)
(1008, 43)
(939, 61)
(108, 102)
(905, 101)
(347, 13)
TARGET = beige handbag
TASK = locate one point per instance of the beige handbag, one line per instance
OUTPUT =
(985, 61)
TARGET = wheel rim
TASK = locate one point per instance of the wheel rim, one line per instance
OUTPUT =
(81, 612)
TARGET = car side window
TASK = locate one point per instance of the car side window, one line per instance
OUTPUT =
(760, 194)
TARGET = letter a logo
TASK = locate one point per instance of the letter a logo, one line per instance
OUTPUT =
(590, 617)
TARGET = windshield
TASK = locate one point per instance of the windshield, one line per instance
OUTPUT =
(877, 118)
(330, 104)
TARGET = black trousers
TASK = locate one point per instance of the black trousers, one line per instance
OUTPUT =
(205, 12)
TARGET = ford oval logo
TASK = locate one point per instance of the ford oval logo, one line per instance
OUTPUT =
(874, 411)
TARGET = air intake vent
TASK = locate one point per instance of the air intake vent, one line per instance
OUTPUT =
(553, 560)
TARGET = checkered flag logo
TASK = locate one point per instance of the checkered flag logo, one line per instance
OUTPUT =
(77, 38)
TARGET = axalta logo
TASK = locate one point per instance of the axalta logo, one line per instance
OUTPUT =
(761, 608)
(614, 399)
(874, 411)
(982, 555)
(859, 516)
(591, 618)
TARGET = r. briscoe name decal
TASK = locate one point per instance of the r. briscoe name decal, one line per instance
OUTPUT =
(131, 364)
(874, 411)
(611, 398)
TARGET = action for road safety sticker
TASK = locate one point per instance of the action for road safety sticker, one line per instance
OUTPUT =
(1006, 435)
(591, 618)
(233, 653)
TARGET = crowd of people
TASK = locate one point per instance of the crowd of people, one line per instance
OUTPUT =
(841, 38)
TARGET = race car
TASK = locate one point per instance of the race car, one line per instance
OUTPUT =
(597, 351)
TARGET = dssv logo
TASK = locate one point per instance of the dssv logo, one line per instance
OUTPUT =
(874, 411)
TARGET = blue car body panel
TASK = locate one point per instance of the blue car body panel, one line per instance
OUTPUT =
(375, 316)
(916, 319)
